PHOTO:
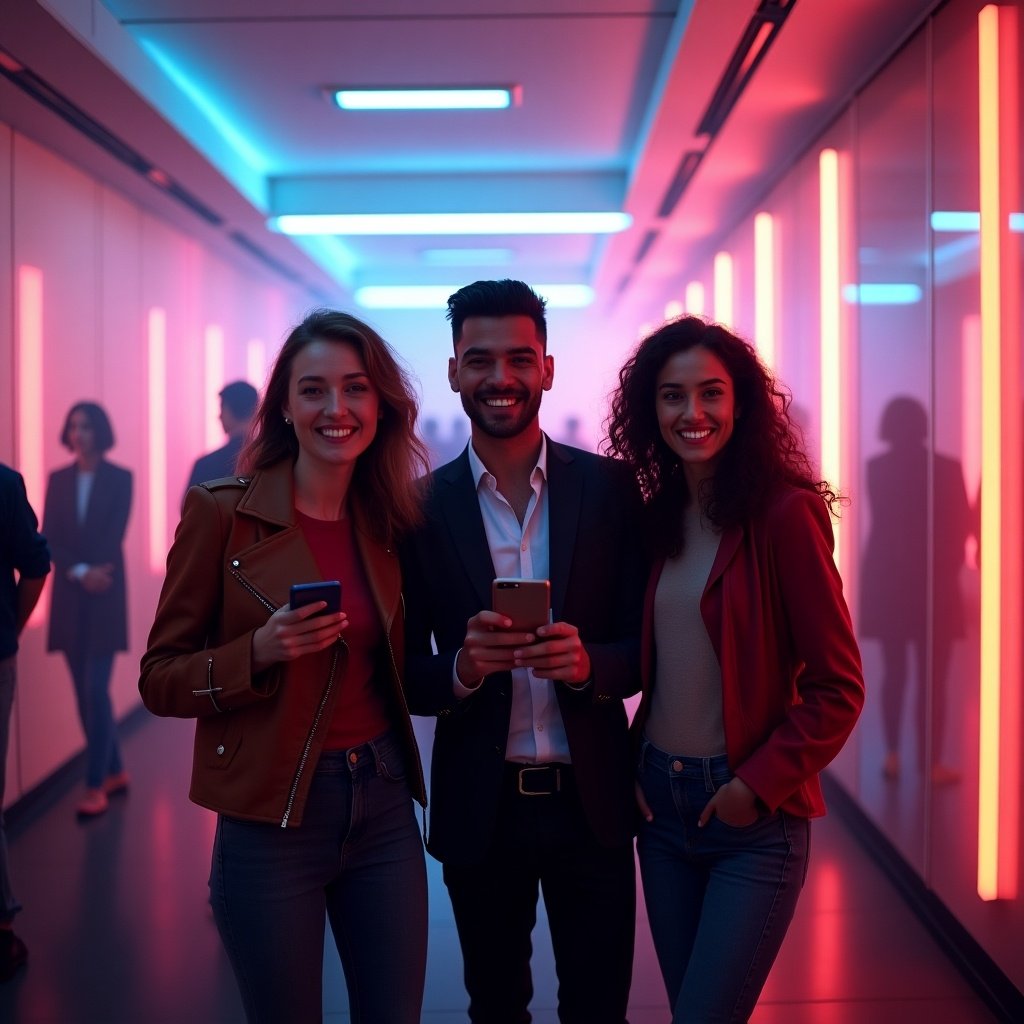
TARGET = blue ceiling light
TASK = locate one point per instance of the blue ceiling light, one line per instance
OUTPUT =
(882, 294)
(435, 296)
(965, 220)
(425, 99)
(582, 223)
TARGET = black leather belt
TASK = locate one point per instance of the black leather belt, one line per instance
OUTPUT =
(538, 779)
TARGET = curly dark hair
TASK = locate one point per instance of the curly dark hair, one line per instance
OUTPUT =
(765, 450)
(383, 484)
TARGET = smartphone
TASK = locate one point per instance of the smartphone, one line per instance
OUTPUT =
(309, 593)
(526, 602)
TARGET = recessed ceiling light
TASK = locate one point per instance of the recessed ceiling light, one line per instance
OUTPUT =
(425, 99)
(435, 296)
(595, 223)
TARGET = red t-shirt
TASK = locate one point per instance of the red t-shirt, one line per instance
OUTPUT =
(360, 712)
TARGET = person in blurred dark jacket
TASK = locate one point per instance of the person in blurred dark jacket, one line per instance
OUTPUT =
(84, 519)
(237, 406)
(22, 551)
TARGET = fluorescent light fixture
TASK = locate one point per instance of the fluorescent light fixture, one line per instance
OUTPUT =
(435, 296)
(466, 257)
(597, 223)
(965, 220)
(882, 294)
(424, 99)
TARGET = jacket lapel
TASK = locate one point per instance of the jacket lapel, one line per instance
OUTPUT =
(565, 499)
(460, 509)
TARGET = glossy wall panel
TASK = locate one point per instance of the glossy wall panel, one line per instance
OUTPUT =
(102, 264)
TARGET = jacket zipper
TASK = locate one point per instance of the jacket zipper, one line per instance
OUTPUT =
(267, 603)
(309, 738)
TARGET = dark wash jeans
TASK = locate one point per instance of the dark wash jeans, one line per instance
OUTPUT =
(90, 674)
(357, 858)
(719, 899)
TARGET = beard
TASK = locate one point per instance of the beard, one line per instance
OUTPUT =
(501, 423)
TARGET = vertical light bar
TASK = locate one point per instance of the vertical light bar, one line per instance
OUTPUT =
(156, 350)
(256, 362)
(1001, 505)
(831, 335)
(30, 399)
(764, 288)
(213, 359)
(723, 284)
(673, 309)
(693, 298)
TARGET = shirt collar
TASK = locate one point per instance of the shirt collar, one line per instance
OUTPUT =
(481, 473)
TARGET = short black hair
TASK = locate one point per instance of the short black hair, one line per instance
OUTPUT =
(239, 398)
(103, 433)
(497, 298)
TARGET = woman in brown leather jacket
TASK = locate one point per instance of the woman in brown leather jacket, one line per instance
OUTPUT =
(303, 745)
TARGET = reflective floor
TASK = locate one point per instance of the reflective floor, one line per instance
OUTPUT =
(119, 931)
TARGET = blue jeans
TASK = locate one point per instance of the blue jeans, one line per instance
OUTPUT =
(719, 898)
(357, 858)
(90, 674)
(9, 906)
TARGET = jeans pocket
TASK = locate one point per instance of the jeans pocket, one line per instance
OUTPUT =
(392, 769)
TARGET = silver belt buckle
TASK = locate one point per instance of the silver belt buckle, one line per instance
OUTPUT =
(546, 792)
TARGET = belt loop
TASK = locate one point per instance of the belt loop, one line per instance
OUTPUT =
(709, 785)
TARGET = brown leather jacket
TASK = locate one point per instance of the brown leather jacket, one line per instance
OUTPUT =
(236, 552)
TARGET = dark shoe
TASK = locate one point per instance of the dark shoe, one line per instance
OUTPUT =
(116, 783)
(93, 804)
(13, 954)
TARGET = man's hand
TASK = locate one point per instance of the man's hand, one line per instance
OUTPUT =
(98, 579)
(488, 647)
(558, 654)
(291, 633)
(735, 803)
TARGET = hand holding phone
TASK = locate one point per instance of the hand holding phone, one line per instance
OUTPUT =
(292, 633)
(526, 602)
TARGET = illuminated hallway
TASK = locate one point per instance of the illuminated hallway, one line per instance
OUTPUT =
(119, 931)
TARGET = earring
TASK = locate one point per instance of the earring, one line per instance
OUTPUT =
(288, 421)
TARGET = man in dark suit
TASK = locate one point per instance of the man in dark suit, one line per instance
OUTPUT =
(237, 405)
(531, 779)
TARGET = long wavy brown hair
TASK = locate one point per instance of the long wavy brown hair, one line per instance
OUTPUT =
(383, 484)
(766, 448)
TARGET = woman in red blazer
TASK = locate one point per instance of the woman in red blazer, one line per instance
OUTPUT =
(752, 676)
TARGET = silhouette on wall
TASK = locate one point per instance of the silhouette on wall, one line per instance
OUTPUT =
(894, 582)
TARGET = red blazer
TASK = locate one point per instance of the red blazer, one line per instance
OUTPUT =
(792, 685)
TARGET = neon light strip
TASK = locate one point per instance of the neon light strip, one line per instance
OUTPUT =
(256, 362)
(434, 296)
(831, 339)
(970, 427)
(673, 309)
(157, 430)
(965, 220)
(30, 400)
(423, 99)
(723, 285)
(991, 457)
(597, 223)
(213, 365)
(764, 287)
(693, 298)
(883, 294)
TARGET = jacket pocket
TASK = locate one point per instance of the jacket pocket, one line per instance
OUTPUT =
(217, 746)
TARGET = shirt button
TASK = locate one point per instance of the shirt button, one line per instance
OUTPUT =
(353, 757)
(524, 547)
(220, 749)
(677, 766)
(540, 727)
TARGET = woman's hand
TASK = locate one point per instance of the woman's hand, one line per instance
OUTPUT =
(641, 802)
(735, 803)
(291, 633)
(98, 578)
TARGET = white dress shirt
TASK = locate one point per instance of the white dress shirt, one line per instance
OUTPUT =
(536, 733)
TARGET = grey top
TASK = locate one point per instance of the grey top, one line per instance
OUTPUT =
(686, 705)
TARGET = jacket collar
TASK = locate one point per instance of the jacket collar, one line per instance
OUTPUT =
(270, 496)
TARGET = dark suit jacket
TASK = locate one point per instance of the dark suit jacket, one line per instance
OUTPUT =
(216, 465)
(81, 622)
(597, 584)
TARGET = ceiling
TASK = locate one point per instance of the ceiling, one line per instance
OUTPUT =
(223, 101)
